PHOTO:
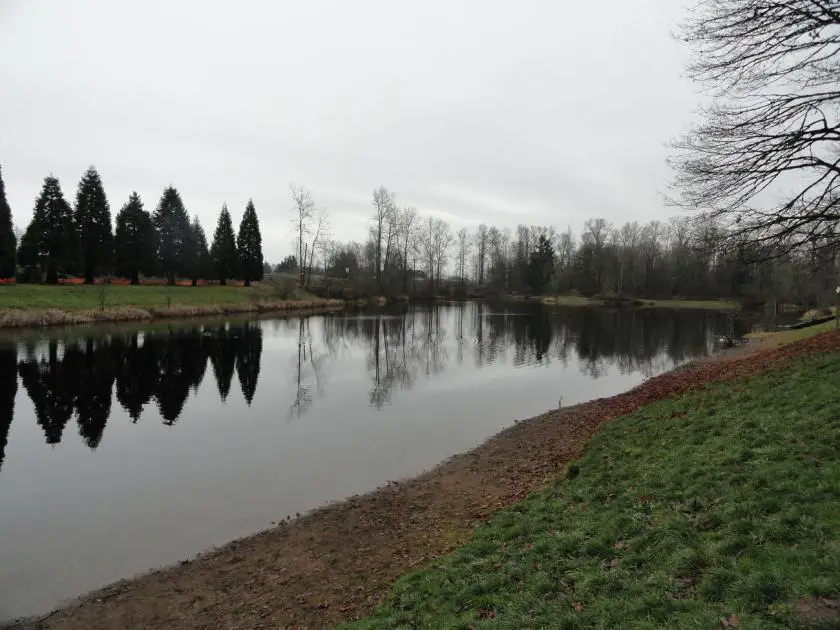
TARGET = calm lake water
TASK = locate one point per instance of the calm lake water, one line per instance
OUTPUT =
(139, 447)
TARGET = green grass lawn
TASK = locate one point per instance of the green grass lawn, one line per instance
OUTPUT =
(80, 297)
(707, 304)
(720, 508)
(784, 337)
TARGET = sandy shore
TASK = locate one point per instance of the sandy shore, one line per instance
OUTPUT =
(337, 562)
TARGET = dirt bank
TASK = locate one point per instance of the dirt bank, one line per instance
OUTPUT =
(339, 561)
(36, 318)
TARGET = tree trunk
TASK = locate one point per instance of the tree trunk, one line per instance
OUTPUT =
(247, 281)
(52, 275)
(222, 281)
(170, 279)
(135, 278)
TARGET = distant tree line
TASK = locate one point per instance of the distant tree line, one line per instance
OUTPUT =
(62, 241)
(684, 257)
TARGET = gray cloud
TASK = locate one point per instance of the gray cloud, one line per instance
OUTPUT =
(496, 111)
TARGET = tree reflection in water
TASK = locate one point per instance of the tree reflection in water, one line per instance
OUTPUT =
(77, 378)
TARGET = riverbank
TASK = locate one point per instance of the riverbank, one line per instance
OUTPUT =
(578, 300)
(715, 508)
(38, 305)
(337, 563)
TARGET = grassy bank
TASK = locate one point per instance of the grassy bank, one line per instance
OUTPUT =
(713, 509)
(578, 300)
(785, 337)
(39, 305)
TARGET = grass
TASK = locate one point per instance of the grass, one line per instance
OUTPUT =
(29, 305)
(81, 297)
(700, 304)
(714, 509)
(784, 337)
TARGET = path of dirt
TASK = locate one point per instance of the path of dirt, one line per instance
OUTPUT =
(336, 563)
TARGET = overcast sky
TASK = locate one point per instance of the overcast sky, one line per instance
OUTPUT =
(504, 112)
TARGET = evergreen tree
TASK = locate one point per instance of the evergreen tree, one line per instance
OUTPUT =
(49, 243)
(189, 261)
(249, 244)
(223, 251)
(93, 223)
(135, 241)
(199, 255)
(205, 263)
(8, 242)
(541, 265)
(173, 233)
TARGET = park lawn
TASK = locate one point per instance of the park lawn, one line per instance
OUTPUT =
(784, 337)
(83, 298)
(704, 304)
(718, 508)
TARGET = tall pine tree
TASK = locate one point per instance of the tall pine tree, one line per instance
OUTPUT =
(190, 261)
(249, 244)
(135, 245)
(93, 223)
(204, 268)
(225, 258)
(8, 242)
(49, 244)
(173, 233)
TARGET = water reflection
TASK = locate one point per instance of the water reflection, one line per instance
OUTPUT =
(77, 378)
(8, 390)
(299, 412)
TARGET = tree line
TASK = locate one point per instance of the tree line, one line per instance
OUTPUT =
(684, 257)
(80, 240)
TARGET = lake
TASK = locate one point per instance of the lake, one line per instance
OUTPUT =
(133, 447)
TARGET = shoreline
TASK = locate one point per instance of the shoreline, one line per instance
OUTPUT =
(337, 562)
(11, 318)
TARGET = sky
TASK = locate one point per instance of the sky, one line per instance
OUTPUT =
(503, 112)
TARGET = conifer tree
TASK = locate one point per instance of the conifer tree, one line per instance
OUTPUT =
(8, 242)
(49, 244)
(92, 217)
(135, 247)
(173, 233)
(204, 267)
(249, 244)
(225, 258)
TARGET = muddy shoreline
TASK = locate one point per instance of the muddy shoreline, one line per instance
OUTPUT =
(337, 562)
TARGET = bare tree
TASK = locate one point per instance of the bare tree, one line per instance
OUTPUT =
(481, 240)
(774, 125)
(384, 206)
(463, 252)
(303, 212)
(319, 234)
(442, 237)
(408, 238)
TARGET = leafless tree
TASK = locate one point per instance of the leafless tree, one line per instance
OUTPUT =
(481, 240)
(319, 233)
(303, 213)
(463, 252)
(384, 207)
(765, 161)
(408, 238)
